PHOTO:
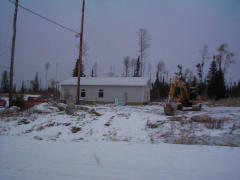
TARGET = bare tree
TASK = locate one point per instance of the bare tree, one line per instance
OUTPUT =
(224, 57)
(47, 66)
(111, 73)
(187, 74)
(126, 63)
(144, 44)
(85, 49)
(149, 69)
(95, 69)
(222, 51)
(204, 55)
(166, 72)
(228, 61)
(133, 65)
(160, 69)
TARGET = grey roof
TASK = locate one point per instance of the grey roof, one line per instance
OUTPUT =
(107, 81)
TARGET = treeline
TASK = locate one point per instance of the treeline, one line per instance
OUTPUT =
(32, 86)
(213, 86)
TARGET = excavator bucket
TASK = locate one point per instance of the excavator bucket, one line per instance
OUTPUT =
(170, 110)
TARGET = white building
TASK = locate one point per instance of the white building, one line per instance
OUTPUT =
(124, 90)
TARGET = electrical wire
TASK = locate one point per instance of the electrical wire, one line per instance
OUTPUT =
(4, 67)
(4, 52)
(77, 33)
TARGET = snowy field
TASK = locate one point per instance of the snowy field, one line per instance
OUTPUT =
(24, 158)
(119, 142)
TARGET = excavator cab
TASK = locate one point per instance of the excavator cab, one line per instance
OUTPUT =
(193, 93)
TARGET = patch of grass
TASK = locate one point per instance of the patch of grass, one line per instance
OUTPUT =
(50, 124)
(151, 125)
(127, 139)
(75, 129)
(181, 139)
(40, 128)
(58, 134)
(229, 102)
(214, 123)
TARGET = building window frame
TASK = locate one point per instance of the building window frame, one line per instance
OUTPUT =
(83, 93)
(100, 93)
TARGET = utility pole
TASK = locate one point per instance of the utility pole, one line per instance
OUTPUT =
(12, 53)
(80, 56)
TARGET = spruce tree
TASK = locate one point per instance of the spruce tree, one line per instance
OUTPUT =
(15, 88)
(5, 82)
(137, 70)
(75, 70)
(238, 89)
(216, 84)
(23, 88)
(156, 89)
(92, 74)
(36, 83)
(220, 88)
(211, 80)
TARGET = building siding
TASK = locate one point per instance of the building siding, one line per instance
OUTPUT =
(127, 94)
(123, 94)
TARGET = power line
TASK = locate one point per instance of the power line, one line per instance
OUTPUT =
(4, 52)
(77, 33)
(4, 67)
(5, 46)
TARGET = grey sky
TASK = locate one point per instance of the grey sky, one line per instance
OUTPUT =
(178, 30)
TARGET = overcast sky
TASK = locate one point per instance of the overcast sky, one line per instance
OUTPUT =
(178, 29)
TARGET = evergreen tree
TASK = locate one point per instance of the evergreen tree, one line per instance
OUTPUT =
(36, 83)
(75, 70)
(159, 89)
(92, 74)
(137, 70)
(15, 88)
(164, 89)
(216, 83)
(155, 95)
(238, 90)
(211, 80)
(194, 82)
(5, 82)
(220, 88)
(23, 88)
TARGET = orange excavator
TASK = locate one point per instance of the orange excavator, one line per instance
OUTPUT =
(182, 96)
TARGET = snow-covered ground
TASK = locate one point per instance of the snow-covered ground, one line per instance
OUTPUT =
(119, 142)
(133, 124)
(23, 158)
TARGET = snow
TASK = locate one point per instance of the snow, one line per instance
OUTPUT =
(24, 158)
(134, 124)
(118, 142)
(30, 95)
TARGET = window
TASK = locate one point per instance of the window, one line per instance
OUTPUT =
(83, 92)
(100, 93)
(66, 93)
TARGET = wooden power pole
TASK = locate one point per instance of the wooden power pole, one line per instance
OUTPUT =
(80, 56)
(12, 53)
